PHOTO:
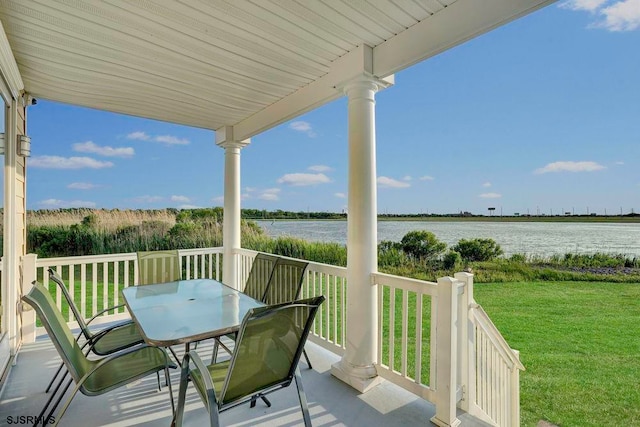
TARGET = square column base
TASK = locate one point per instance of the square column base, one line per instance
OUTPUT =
(362, 379)
(437, 421)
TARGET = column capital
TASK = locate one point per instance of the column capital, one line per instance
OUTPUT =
(225, 138)
(366, 82)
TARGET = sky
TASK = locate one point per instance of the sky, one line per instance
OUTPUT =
(541, 116)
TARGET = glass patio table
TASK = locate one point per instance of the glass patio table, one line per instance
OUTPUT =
(186, 311)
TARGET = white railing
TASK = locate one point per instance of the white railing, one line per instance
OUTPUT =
(489, 369)
(95, 281)
(429, 334)
(406, 332)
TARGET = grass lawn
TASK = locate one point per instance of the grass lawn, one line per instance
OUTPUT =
(580, 344)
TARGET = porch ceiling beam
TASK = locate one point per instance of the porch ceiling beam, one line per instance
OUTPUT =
(8, 66)
(355, 63)
(460, 21)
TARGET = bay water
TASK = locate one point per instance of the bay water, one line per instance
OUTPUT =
(531, 238)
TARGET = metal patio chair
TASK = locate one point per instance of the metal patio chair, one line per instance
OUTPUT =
(158, 267)
(92, 377)
(104, 342)
(264, 360)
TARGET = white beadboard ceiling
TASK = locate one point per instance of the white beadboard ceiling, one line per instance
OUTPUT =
(246, 64)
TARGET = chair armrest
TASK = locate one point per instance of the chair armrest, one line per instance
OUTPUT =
(101, 312)
(206, 378)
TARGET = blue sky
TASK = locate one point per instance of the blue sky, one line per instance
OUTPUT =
(539, 116)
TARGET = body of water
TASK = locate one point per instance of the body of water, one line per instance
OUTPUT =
(532, 238)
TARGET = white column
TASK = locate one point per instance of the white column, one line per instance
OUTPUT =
(231, 222)
(10, 273)
(357, 365)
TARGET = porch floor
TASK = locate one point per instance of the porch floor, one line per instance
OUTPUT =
(331, 402)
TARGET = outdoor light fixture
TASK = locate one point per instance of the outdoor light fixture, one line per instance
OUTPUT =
(1, 143)
(24, 146)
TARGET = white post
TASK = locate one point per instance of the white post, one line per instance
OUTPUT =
(28, 314)
(514, 407)
(357, 367)
(466, 349)
(231, 221)
(446, 353)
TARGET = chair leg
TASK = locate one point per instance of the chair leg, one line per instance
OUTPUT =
(158, 378)
(166, 378)
(307, 358)
(303, 399)
(51, 396)
(54, 377)
(67, 403)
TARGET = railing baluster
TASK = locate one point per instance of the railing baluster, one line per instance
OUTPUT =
(392, 329)
(94, 288)
(405, 331)
(418, 370)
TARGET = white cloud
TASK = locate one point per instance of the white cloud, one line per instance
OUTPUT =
(486, 184)
(56, 203)
(57, 162)
(270, 194)
(569, 167)
(300, 179)
(407, 178)
(490, 195)
(587, 5)
(171, 140)
(183, 199)
(302, 126)
(387, 182)
(320, 168)
(249, 189)
(189, 207)
(620, 163)
(147, 199)
(141, 136)
(82, 186)
(426, 178)
(91, 147)
(616, 15)
(219, 200)
(165, 139)
(340, 195)
(621, 16)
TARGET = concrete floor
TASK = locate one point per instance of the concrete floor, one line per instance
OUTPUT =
(331, 402)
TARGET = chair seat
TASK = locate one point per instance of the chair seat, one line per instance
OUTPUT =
(118, 338)
(124, 369)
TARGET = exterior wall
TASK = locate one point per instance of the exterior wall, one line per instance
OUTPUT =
(20, 195)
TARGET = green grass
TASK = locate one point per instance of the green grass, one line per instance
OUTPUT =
(580, 344)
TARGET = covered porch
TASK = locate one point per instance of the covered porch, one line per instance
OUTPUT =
(240, 69)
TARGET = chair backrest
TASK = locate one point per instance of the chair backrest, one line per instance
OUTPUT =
(72, 306)
(58, 330)
(158, 267)
(286, 281)
(261, 270)
(268, 348)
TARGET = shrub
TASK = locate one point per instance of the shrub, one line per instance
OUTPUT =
(452, 260)
(390, 254)
(478, 249)
(422, 245)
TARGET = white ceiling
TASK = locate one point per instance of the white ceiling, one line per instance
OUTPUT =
(246, 64)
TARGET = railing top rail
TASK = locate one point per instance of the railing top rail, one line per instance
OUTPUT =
(482, 318)
(198, 251)
(406, 283)
(313, 266)
(83, 259)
